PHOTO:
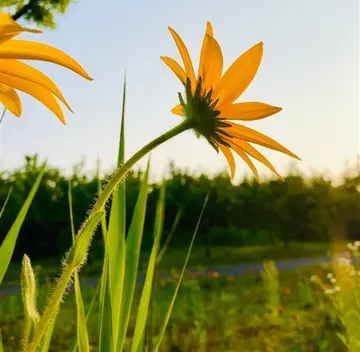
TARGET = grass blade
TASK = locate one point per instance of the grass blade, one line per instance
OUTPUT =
(8, 245)
(147, 288)
(116, 235)
(6, 200)
(170, 236)
(167, 316)
(105, 328)
(133, 244)
(1, 343)
(82, 333)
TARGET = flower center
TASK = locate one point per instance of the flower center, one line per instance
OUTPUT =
(201, 110)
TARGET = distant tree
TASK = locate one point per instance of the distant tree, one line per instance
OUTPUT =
(41, 12)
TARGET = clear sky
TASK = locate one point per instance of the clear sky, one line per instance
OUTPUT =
(310, 67)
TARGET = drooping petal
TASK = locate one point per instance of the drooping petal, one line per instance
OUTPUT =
(209, 31)
(9, 28)
(189, 69)
(252, 136)
(247, 160)
(10, 99)
(27, 50)
(212, 63)
(229, 157)
(175, 67)
(239, 75)
(249, 149)
(250, 111)
(36, 91)
(178, 110)
(14, 68)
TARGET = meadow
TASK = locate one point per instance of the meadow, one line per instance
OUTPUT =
(214, 313)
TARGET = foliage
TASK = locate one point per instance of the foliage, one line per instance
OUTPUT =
(243, 214)
(41, 12)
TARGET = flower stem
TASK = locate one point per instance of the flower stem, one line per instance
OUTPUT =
(83, 239)
(123, 170)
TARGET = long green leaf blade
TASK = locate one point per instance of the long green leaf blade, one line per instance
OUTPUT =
(147, 288)
(105, 328)
(8, 245)
(116, 235)
(133, 244)
(167, 316)
(1, 343)
(6, 201)
(82, 332)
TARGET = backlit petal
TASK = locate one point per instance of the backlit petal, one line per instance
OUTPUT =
(248, 111)
(175, 67)
(36, 91)
(178, 110)
(229, 157)
(212, 63)
(209, 31)
(20, 70)
(9, 28)
(10, 99)
(239, 75)
(256, 137)
(189, 69)
(247, 160)
(27, 50)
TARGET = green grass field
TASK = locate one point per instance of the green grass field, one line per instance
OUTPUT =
(210, 314)
(174, 258)
(214, 314)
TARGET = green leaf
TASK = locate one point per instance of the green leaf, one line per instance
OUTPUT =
(82, 332)
(147, 288)
(133, 244)
(8, 245)
(105, 328)
(167, 316)
(1, 343)
(6, 200)
(116, 235)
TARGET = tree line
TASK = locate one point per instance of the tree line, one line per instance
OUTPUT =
(247, 213)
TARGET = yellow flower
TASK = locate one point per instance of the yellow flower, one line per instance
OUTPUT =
(15, 74)
(209, 101)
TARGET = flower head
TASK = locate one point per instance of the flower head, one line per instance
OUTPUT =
(16, 75)
(210, 96)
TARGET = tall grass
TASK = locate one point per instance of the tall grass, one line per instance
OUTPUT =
(119, 276)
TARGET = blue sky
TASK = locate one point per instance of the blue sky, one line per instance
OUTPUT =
(310, 67)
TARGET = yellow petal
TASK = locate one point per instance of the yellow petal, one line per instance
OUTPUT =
(20, 70)
(10, 99)
(36, 91)
(248, 111)
(212, 63)
(209, 31)
(9, 28)
(247, 160)
(256, 137)
(249, 149)
(189, 69)
(27, 50)
(229, 157)
(175, 67)
(178, 110)
(239, 75)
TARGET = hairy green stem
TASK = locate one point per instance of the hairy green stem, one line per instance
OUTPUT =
(52, 308)
(123, 170)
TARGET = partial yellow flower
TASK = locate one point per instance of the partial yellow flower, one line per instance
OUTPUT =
(16, 75)
(210, 101)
